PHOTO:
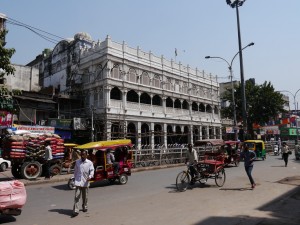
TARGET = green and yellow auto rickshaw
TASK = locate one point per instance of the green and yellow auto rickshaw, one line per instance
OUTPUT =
(258, 146)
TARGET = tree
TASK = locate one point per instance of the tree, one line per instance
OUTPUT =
(5, 54)
(263, 103)
(6, 69)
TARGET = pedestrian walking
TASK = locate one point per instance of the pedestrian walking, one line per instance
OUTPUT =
(248, 156)
(48, 157)
(83, 172)
(285, 153)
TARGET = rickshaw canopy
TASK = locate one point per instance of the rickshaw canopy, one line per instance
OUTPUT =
(103, 145)
(251, 144)
(213, 142)
(70, 144)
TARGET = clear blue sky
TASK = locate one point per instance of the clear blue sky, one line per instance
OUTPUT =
(195, 27)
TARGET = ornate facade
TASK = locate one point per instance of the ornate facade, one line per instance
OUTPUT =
(134, 94)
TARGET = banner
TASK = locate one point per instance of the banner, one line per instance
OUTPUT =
(36, 129)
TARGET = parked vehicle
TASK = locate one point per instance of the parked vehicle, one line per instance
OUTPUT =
(12, 197)
(258, 146)
(4, 164)
(26, 153)
(104, 171)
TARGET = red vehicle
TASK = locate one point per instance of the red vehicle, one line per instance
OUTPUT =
(232, 153)
(104, 171)
(210, 167)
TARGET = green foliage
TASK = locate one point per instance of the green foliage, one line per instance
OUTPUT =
(5, 55)
(263, 103)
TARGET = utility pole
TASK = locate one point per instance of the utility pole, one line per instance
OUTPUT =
(92, 123)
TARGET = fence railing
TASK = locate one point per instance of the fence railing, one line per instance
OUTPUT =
(174, 154)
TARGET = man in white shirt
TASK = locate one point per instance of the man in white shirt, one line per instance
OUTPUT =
(192, 160)
(83, 172)
(48, 157)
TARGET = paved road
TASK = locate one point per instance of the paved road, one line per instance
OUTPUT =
(150, 197)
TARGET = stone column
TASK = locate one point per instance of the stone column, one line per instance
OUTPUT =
(139, 135)
(152, 135)
(190, 136)
(108, 130)
(165, 140)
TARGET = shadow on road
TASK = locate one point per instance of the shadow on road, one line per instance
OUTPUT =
(7, 219)
(237, 189)
(282, 210)
(67, 212)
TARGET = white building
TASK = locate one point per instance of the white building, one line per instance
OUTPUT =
(131, 93)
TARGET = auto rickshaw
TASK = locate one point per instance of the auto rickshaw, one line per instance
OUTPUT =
(103, 171)
(233, 152)
(258, 146)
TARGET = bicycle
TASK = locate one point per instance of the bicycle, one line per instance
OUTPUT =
(209, 169)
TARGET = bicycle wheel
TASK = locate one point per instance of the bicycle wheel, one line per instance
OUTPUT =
(220, 177)
(182, 181)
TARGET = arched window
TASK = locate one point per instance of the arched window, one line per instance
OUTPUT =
(145, 79)
(169, 102)
(185, 105)
(115, 72)
(177, 86)
(185, 88)
(177, 104)
(145, 98)
(156, 100)
(195, 106)
(168, 84)
(132, 76)
(116, 94)
(132, 96)
(156, 81)
(209, 109)
(201, 107)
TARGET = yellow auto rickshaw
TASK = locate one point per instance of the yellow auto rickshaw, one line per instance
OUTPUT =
(258, 146)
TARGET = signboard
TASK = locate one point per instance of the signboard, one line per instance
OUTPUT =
(60, 123)
(36, 129)
(79, 123)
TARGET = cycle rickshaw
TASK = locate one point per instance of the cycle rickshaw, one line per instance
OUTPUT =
(103, 171)
(210, 166)
(233, 153)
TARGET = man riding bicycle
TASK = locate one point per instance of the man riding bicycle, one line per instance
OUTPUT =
(191, 161)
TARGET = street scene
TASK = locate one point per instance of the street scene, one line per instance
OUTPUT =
(141, 112)
(150, 197)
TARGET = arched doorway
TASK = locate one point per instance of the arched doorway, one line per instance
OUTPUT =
(131, 133)
(145, 135)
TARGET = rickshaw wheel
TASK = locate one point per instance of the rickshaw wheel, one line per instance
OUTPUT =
(123, 179)
(182, 181)
(71, 183)
(220, 178)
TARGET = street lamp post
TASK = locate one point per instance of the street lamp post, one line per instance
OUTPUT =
(294, 98)
(236, 4)
(232, 87)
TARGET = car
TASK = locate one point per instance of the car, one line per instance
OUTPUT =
(4, 164)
